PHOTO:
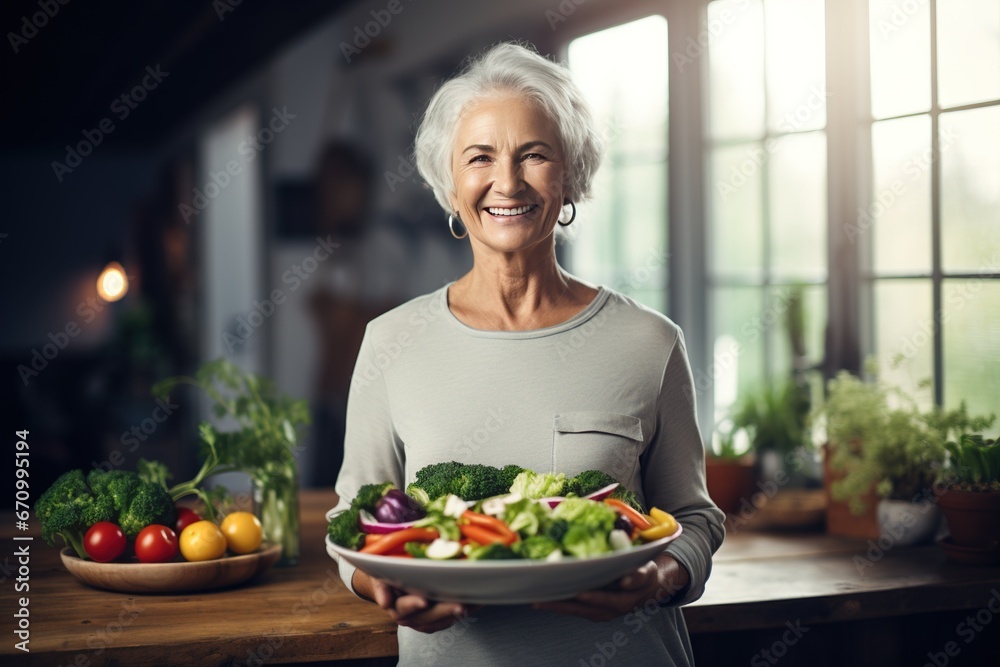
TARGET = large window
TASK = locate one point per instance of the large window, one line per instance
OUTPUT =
(845, 150)
(766, 190)
(622, 237)
(934, 249)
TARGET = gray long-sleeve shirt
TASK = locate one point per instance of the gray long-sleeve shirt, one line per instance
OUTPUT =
(608, 389)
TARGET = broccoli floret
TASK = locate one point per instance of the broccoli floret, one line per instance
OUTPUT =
(343, 529)
(148, 504)
(557, 530)
(535, 547)
(63, 510)
(495, 551)
(508, 474)
(467, 481)
(369, 495)
(588, 481)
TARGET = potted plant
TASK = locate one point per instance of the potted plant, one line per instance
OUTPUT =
(263, 445)
(882, 456)
(775, 420)
(729, 470)
(971, 499)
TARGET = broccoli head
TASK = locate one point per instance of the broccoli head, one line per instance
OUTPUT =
(64, 510)
(495, 551)
(588, 481)
(369, 495)
(148, 504)
(467, 481)
(76, 502)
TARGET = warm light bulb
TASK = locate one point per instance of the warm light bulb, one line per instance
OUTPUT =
(112, 284)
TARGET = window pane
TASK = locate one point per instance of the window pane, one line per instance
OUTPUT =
(622, 72)
(737, 228)
(970, 189)
(797, 186)
(736, 64)
(904, 327)
(900, 212)
(972, 344)
(968, 51)
(813, 329)
(620, 239)
(740, 329)
(900, 42)
(796, 64)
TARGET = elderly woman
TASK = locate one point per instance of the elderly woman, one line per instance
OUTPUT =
(520, 362)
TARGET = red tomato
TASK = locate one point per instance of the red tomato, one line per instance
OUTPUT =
(104, 542)
(185, 517)
(156, 544)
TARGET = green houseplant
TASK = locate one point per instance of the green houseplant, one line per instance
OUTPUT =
(262, 445)
(881, 444)
(971, 495)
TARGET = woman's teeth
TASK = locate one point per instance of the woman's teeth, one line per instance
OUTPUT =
(510, 211)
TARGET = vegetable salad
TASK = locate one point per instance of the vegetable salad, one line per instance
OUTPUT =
(478, 512)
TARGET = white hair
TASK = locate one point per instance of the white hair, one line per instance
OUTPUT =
(509, 69)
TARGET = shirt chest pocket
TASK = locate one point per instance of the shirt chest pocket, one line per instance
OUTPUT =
(605, 441)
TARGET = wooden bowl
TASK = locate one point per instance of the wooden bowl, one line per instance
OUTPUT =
(177, 577)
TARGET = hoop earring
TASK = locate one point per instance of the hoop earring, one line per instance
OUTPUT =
(451, 228)
(572, 218)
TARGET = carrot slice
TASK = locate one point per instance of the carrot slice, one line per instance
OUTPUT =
(482, 535)
(394, 541)
(638, 520)
(492, 524)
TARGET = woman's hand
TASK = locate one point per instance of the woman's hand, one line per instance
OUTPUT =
(657, 580)
(408, 610)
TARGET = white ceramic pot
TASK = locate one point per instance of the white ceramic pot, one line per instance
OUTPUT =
(905, 523)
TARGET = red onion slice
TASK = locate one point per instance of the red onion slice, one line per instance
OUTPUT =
(370, 524)
(601, 494)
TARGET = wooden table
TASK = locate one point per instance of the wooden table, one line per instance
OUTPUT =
(907, 603)
(295, 614)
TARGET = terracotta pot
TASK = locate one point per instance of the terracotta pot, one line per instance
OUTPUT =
(973, 518)
(729, 482)
(840, 520)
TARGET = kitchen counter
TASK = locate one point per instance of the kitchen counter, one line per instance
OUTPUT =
(838, 596)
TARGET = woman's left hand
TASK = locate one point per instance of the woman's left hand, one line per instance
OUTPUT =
(657, 580)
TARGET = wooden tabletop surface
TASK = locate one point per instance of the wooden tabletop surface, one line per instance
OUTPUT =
(304, 614)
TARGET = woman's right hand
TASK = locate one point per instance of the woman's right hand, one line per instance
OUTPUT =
(406, 609)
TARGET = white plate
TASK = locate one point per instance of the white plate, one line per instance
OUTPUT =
(502, 581)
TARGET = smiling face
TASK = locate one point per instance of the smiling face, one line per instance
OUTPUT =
(508, 166)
